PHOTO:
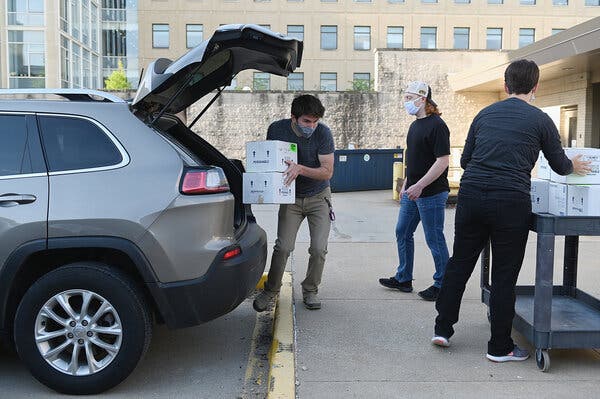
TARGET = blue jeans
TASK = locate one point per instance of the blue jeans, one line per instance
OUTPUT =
(429, 210)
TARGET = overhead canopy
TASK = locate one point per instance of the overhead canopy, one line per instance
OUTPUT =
(572, 51)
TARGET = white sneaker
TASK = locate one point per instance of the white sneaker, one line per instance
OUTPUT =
(438, 340)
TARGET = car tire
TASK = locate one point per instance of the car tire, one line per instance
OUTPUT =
(82, 328)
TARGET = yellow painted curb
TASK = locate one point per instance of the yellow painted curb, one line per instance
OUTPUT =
(282, 373)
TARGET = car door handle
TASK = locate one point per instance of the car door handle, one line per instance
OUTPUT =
(12, 199)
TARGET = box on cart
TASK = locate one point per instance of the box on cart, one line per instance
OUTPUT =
(557, 198)
(267, 188)
(540, 190)
(270, 155)
(584, 200)
(589, 154)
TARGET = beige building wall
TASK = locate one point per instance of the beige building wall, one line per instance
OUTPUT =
(379, 14)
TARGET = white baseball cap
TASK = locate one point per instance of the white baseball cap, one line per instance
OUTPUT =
(421, 89)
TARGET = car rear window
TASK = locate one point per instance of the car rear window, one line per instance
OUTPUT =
(75, 143)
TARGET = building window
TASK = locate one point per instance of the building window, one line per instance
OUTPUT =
(462, 1)
(26, 12)
(95, 27)
(526, 36)
(328, 81)
(560, 2)
(26, 59)
(495, 1)
(361, 81)
(296, 31)
(324, 1)
(461, 38)
(363, 1)
(429, 1)
(261, 81)
(328, 37)
(396, 1)
(160, 36)
(395, 36)
(75, 19)
(64, 62)
(555, 31)
(85, 22)
(295, 81)
(64, 15)
(266, 26)
(362, 38)
(527, 2)
(428, 37)
(193, 35)
(592, 3)
(493, 39)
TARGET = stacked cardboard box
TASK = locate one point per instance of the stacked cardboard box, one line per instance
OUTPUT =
(570, 195)
(264, 179)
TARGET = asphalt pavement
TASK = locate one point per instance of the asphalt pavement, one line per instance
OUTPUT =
(371, 342)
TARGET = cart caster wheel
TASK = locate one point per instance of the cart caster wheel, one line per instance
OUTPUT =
(542, 358)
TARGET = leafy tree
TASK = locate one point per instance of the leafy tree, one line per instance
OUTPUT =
(117, 80)
(362, 85)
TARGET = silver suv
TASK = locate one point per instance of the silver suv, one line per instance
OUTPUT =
(115, 214)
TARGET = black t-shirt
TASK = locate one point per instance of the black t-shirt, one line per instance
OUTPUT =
(428, 139)
(319, 143)
(503, 145)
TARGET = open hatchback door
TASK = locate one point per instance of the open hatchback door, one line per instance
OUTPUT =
(172, 86)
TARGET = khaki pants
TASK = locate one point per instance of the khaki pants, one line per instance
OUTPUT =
(316, 210)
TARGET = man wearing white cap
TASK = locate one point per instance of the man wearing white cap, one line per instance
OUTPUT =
(425, 190)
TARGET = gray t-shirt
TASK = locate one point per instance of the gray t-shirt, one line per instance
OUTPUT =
(320, 143)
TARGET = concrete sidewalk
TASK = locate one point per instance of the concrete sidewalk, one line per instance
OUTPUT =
(371, 342)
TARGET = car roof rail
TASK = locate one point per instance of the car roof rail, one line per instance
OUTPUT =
(85, 95)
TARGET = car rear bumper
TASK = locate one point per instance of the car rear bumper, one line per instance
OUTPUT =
(226, 284)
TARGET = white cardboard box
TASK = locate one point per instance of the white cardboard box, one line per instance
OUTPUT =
(267, 188)
(540, 189)
(557, 199)
(455, 155)
(270, 155)
(589, 154)
(584, 200)
(543, 167)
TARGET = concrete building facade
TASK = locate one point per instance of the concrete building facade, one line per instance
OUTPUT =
(340, 37)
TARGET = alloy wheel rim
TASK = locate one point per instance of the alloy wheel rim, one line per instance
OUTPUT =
(78, 332)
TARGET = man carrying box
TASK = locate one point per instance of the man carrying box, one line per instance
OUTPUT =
(313, 198)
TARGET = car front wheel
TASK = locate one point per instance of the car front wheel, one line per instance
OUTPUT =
(82, 328)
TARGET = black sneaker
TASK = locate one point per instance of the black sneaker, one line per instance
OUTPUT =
(430, 294)
(395, 284)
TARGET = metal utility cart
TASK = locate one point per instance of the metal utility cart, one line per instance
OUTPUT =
(550, 316)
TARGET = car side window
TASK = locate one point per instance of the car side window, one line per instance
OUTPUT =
(76, 143)
(14, 146)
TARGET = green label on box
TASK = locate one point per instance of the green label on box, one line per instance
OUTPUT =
(293, 147)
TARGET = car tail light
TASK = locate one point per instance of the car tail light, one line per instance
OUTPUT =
(209, 180)
(232, 253)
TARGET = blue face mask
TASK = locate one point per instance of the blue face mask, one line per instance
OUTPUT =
(411, 108)
(306, 131)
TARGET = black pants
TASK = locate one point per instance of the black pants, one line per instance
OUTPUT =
(502, 216)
